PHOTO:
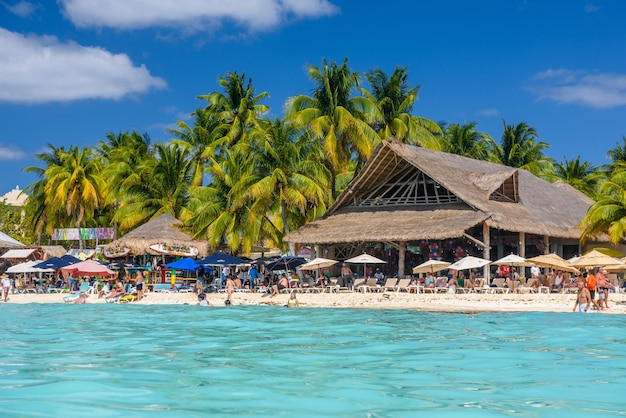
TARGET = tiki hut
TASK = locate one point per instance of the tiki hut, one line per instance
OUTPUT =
(162, 230)
(407, 193)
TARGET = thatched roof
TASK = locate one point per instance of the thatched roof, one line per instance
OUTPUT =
(536, 206)
(50, 251)
(162, 230)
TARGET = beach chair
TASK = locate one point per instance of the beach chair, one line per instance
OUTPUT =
(499, 286)
(403, 285)
(84, 287)
(441, 285)
(369, 286)
(390, 284)
(358, 283)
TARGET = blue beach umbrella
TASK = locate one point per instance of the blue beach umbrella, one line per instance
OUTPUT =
(57, 262)
(287, 262)
(220, 259)
(184, 264)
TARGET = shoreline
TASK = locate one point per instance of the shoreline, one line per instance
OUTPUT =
(456, 303)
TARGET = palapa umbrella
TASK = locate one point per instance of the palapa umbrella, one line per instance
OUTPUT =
(469, 262)
(365, 259)
(595, 258)
(89, 268)
(513, 260)
(553, 261)
(431, 266)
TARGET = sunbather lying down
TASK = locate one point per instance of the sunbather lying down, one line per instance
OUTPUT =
(81, 299)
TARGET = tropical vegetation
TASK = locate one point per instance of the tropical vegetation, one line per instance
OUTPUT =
(238, 178)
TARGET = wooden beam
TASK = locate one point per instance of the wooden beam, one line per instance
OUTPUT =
(475, 241)
(401, 254)
(487, 241)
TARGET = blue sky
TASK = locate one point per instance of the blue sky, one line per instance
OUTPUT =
(73, 70)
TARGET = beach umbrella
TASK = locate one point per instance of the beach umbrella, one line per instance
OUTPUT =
(513, 260)
(431, 266)
(28, 267)
(365, 259)
(318, 263)
(57, 262)
(595, 258)
(553, 261)
(286, 262)
(89, 268)
(469, 262)
(184, 264)
(220, 259)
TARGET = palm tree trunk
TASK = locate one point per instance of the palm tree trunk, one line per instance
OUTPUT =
(283, 210)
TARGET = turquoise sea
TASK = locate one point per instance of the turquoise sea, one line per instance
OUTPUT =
(168, 361)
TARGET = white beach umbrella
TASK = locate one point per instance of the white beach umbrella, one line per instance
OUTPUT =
(365, 259)
(318, 263)
(431, 266)
(513, 260)
(469, 262)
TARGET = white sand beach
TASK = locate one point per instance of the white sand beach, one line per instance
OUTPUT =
(425, 302)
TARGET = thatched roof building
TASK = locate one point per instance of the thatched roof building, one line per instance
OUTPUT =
(408, 193)
(162, 230)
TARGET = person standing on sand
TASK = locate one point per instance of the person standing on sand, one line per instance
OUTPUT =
(230, 288)
(603, 288)
(6, 286)
(583, 298)
(139, 283)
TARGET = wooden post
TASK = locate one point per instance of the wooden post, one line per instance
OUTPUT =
(546, 243)
(486, 255)
(521, 247)
(401, 254)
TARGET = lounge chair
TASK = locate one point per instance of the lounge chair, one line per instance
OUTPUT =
(390, 284)
(358, 283)
(84, 287)
(499, 286)
(441, 285)
(402, 285)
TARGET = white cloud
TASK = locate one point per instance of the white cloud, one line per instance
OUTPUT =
(190, 15)
(11, 153)
(594, 89)
(37, 69)
(592, 8)
(21, 8)
(489, 112)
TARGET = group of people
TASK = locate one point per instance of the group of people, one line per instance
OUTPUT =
(590, 284)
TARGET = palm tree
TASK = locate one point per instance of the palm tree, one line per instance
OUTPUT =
(617, 154)
(466, 140)
(388, 109)
(159, 185)
(518, 148)
(224, 215)
(203, 140)
(289, 176)
(608, 214)
(333, 116)
(76, 184)
(39, 214)
(238, 108)
(580, 175)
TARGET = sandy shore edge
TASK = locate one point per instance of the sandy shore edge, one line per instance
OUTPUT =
(425, 302)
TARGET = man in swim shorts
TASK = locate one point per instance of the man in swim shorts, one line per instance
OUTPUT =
(583, 299)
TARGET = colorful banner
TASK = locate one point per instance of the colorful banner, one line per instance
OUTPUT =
(73, 234)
